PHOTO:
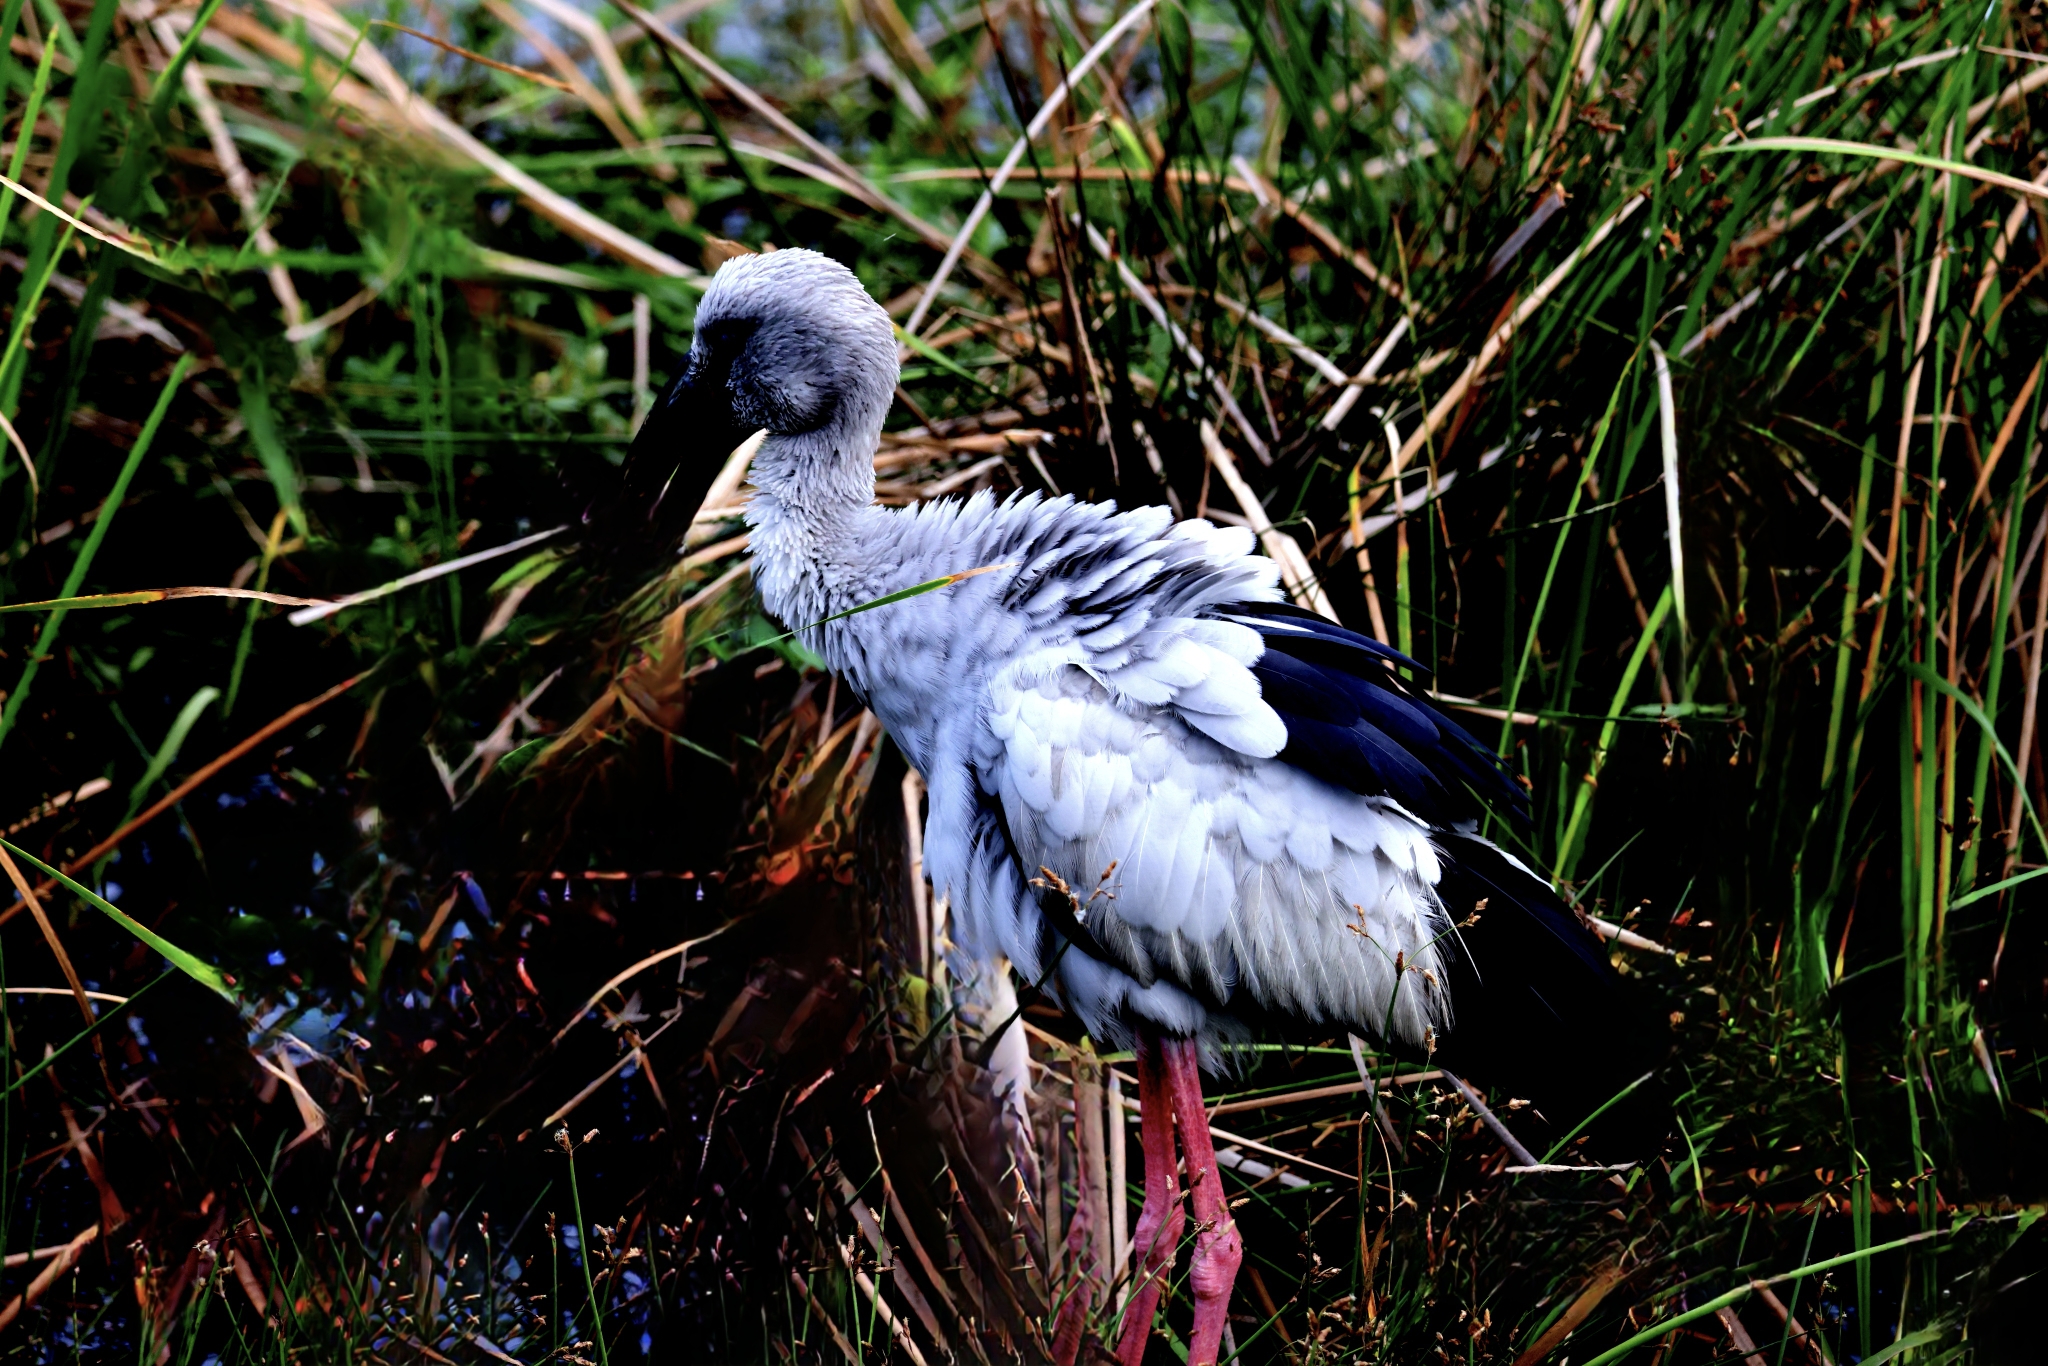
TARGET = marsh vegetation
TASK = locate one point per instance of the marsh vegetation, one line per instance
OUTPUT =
(530, 962)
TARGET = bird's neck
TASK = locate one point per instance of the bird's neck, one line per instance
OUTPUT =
(812, 493)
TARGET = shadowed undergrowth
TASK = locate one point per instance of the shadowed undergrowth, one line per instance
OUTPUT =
(530, 960)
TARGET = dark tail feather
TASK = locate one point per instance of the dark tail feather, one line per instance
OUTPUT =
(1540, 1014)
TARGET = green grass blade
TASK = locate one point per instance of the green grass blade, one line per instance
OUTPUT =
(261, 421)
(1536, 611)
(100, 1022)
(10, 20)
(2001, 618)
(916, 590)
(1968, 705)
(167, 753)
(30, 114)
(1743, 1292)
(46, 638)
(1879, 152)
(87, 603)
(168, 79)
(1582, 804)
(199, 970)
(26, 305)
(1995, 888)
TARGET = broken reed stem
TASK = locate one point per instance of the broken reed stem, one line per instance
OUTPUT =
(49, 933)
(1348, 397)
(1898, 503)
(2029, 711)
(824, 1317)
(957, 244)
(1090, 1142)
(1118, 1138)
(898, 1329)
(61, 1262)
(745, 94)
(1195, 355)
(1440, 412)
(1738, 1337)
(1285, 551)
(1372, 1096)
(913, 857)
(1812, 1344)
(1522, 1155)
(243, 188)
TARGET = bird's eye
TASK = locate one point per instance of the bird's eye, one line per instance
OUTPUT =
(727, 335)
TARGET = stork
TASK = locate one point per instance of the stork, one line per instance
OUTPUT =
(1283, 830)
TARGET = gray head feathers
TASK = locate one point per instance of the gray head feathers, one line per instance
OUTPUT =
(798, 347)
(787, 341)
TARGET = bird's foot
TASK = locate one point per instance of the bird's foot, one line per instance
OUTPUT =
(1219, 1251)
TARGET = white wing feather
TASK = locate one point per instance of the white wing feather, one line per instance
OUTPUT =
(1232, 872)
(1079, 710)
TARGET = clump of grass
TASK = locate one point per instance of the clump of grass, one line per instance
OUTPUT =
(1664, 376)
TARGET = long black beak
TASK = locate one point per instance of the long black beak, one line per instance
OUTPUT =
(669, 468)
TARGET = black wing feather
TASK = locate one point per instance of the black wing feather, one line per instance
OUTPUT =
(1539, 1011)
(1353, 721)
(1286, 617)
(1362, 758)
(1305, 689)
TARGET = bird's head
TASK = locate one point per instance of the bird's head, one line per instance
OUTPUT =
(786, 341)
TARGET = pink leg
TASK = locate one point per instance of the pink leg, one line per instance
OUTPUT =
(1218, 1248)
(1157, 1236)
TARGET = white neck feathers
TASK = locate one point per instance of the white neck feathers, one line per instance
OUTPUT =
(812, 490)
